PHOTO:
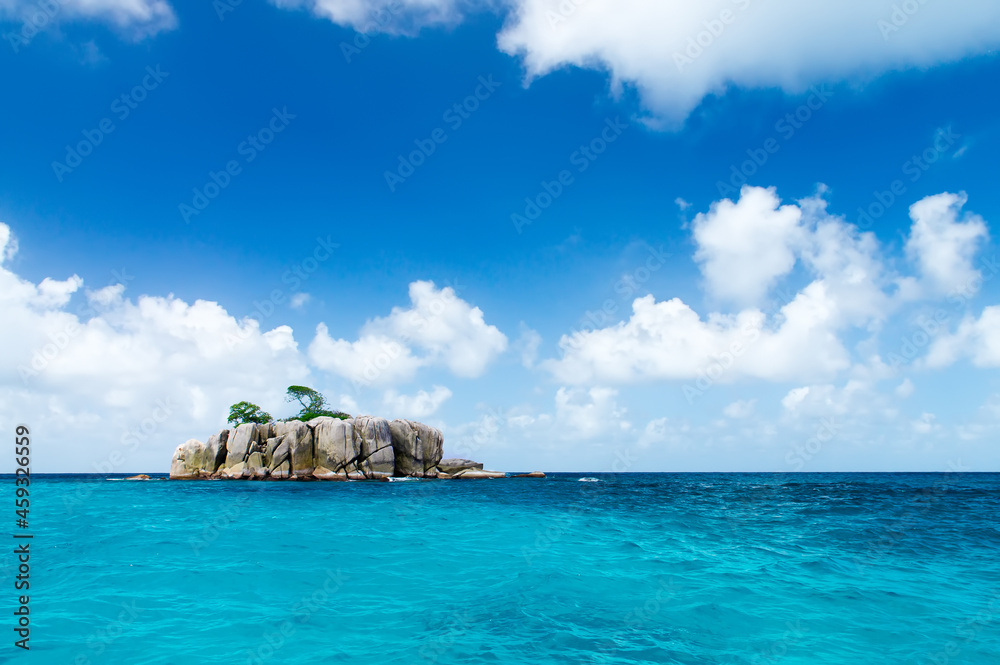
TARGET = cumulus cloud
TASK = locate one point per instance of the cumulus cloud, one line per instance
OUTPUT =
(975, 338)
(744, 247)
(420, 405)
(586, 414)
(743, 408)
(744, 250)
(943, 245)
(677, 53)
(370, 360)
(438, 329)
(668, 340)
(126, 380)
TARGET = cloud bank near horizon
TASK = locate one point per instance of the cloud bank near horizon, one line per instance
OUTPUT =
(92, 359)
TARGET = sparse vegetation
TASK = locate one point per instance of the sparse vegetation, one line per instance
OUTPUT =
(312, 402)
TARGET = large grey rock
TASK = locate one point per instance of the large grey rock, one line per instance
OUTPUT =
(279, 458)
(299, 438)
(239, 442)
(334, 445)
(187, 460)
(216, 451)
(417, 447)
(327, 448)
(374, 442)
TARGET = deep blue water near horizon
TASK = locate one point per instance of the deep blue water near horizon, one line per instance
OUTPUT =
(635, 568)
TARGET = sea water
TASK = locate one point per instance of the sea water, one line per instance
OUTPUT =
(634, 568)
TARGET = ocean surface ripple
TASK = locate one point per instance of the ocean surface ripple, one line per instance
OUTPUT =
(638, 568)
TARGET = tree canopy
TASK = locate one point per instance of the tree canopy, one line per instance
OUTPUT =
(247, 412)
(312, 402)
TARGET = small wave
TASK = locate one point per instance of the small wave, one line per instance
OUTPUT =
(401, 479)
(590, 480)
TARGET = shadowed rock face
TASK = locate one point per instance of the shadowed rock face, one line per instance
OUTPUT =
(324, 448)
(418, 448)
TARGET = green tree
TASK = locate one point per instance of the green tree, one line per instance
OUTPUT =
(313, 404)
(247, 412)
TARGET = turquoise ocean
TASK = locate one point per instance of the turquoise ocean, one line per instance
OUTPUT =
(830, 569)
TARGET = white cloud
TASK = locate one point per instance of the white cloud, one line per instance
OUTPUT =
(668, 340)
(943, 246)
(444, 329)
(299, 300)
(138, 18)
(739, 409)
(925, 424)
(392, 16)
(744, 247)
(780, 44)
(586, 414)
(420, 405)
(977, 339)
(347, 404)
(527, 345)
(127, 380)
(371, 360)
(8, 243)
(795, 397)
(905, 388)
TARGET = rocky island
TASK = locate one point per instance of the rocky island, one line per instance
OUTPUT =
(323, 448)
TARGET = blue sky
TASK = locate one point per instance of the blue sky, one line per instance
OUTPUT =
(519, 340)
